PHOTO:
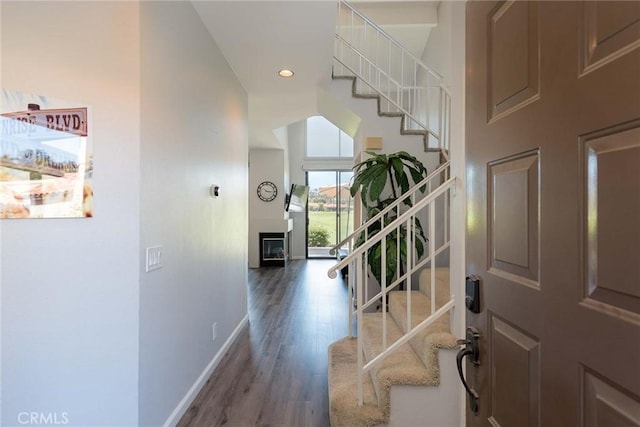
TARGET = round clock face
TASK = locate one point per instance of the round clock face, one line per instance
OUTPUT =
(267, 191)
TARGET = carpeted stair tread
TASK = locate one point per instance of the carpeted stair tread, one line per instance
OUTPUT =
(403, 367)
(343, 405)
(442, 284)
(420, 310)
(437, 335)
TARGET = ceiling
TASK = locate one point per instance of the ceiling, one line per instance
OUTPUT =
(260, 37)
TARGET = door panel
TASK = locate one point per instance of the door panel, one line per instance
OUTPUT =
(610, 160)
(514, 57)
(513, 218)
(606, 405)
(515, 376)
(553, 188)
(608, 30)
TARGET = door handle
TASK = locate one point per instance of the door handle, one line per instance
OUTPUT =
(472, 349)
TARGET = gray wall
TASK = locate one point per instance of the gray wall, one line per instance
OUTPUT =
(193, 134)
(70, 286)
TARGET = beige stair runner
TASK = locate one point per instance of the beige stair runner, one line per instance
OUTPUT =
(413, 364)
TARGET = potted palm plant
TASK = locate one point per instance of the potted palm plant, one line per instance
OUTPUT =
(381, 180)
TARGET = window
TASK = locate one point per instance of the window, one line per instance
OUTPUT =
(324, 140)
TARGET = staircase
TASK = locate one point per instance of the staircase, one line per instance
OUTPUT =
(387, 371)
(382, 69)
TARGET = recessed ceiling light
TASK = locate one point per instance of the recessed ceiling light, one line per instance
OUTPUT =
(285, 73)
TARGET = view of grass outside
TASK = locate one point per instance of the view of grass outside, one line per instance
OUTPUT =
(327, 220)
(328, 192)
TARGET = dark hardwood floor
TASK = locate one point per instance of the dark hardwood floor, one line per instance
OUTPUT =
(275, 374)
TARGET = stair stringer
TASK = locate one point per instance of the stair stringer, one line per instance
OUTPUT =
(385, 108)
(387, 126)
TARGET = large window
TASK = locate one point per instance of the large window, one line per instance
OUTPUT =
(324, 140)
(329, 211)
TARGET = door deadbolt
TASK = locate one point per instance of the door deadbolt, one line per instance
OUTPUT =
(472, 293)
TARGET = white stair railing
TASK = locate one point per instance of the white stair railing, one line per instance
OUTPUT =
(424, 187)
(431, 210)
(404, 84)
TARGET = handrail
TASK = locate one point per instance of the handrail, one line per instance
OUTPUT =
(392, 206)
(358, 266)
(398, 77)
(388, 36)
(429, 70)
(389, 228)
(390, 79)
(407, 337)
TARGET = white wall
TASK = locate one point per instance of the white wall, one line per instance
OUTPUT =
(372, 125)
(437, 52)
(194, 134)
(296, 143)
(265, 165)
(445, 53)
(70, 286)
(282, 135)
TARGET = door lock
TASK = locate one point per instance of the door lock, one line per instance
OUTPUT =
(472, 293)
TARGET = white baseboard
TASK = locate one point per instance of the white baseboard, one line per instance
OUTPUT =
(188, 398)
(299, 257)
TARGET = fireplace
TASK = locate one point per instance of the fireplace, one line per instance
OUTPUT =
(273, 249)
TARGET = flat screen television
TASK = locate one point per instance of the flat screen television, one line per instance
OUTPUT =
(297, 200)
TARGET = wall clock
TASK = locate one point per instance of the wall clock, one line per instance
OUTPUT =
(267, 191)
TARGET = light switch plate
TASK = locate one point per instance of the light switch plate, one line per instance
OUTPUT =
(154, 258)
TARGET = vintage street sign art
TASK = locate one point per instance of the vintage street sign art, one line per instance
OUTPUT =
(46, 162)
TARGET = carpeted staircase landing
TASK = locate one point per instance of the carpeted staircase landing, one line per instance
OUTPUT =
(415, 363)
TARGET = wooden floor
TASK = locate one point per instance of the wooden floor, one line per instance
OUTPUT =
(276, 372)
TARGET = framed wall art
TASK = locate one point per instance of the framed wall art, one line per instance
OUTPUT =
(46, 161)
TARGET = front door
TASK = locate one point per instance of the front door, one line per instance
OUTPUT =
(553, 211)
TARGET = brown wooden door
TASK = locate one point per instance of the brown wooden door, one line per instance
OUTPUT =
(553, 211)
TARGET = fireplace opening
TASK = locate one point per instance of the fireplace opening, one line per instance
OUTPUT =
(273, 249)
